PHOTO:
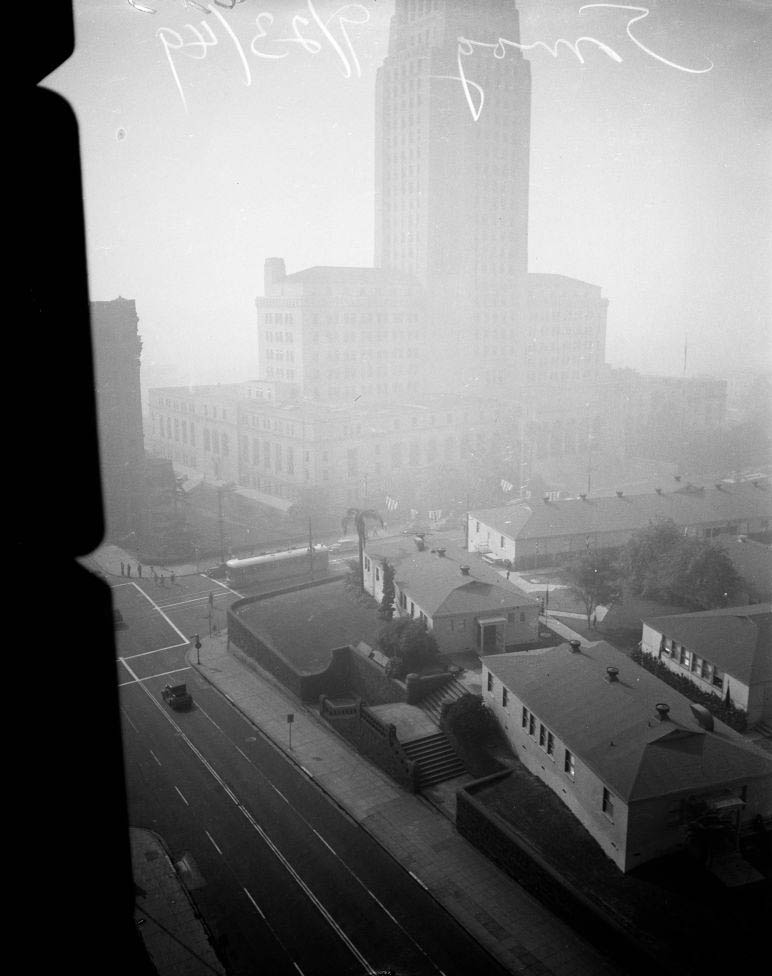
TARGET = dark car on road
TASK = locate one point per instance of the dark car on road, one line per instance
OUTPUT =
(177, 697)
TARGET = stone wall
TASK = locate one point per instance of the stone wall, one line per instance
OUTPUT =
(369, 681)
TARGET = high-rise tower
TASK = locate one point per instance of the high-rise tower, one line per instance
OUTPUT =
(452, 177)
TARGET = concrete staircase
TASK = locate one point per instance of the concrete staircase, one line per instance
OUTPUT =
(434, 701)
(435, 759)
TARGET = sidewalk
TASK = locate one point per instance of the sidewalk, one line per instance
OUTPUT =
(515, 928)
(174, 936)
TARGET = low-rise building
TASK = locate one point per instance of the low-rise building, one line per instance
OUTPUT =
(543, 533)
(467, 604)
(631, 758)
(726, 652)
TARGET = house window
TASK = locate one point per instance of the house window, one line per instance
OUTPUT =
(504, 697)
(367, 565)
(685, 658)
(524, 719)
(531, 725)
(542, 736)
(705, 670)
(568, 764)
(377, 569)
(501, 544)
(550, 744)
(718, 678)
(522, 618)
(490, 681)
(608, 804)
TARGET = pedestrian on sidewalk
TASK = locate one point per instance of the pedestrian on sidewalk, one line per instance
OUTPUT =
(593, 622)
(173, 578)
(123, 570)
(139, 570)
(155, 575)
(128, 569)
(211, 598)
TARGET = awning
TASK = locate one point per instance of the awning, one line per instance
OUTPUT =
(726, 804)
(484, 621)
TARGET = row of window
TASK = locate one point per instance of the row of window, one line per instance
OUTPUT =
(692, 662)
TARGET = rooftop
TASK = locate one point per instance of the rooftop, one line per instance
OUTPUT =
(687, 506)
(737, 639)
(614, 727)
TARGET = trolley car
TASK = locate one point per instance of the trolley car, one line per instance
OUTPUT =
(277, 566)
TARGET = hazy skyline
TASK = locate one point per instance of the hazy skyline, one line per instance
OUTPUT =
(649, 181)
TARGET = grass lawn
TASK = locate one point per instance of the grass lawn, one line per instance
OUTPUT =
(671, 903)
(306, 625)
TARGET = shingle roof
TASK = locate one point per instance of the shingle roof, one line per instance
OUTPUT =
(438, 586)
(614, 728)
(736, 639)
(539, 519)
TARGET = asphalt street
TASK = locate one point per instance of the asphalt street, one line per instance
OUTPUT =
(286, 880)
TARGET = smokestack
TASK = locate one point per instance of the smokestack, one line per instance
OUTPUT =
(663, 711)
(612, 674)
(464, 570)
(576, 646)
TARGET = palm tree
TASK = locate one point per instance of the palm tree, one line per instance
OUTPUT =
(359, 518)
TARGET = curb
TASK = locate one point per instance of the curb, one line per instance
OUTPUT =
(505, 964)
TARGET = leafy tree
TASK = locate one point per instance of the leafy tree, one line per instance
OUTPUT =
(409, 645)
(359, 517)
(468, 718)
(594, 578)
(645, 559)
(661, 563)
(386, 611)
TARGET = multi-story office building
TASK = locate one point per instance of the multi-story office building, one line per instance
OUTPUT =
(117, 348)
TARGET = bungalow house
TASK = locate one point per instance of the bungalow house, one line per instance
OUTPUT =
(632, 759)
(542, 533)
(465, 602)
(726, 652)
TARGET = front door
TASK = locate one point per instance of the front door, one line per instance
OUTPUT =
(488, 641)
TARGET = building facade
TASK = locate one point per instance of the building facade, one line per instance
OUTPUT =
(726, 653)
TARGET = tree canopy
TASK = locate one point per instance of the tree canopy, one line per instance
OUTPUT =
(594, 577)
(661, 563)
(359, 517)
(409, 644)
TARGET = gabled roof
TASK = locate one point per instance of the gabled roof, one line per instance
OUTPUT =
(573, 516)
(438, 586)
(736, 639)
(614, 726)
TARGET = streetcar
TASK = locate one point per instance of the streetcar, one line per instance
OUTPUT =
(277, 566)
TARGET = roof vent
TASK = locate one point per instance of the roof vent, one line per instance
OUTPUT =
(583, 497)
(612, 674)
(677, 477)
(576, 646)
(464, 570)
(703, 716)
(440, 552)
(663, 711)
(658, 491)
(718, 486)
(619, 494)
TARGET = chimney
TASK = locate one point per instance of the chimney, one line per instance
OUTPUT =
(576, 646)
(273, 271)
(619, 494)
(663, 711)
(464, 570)
(658, 491)
(612, 674)
(441, 553)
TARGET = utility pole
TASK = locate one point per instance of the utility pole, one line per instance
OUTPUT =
(219, 522)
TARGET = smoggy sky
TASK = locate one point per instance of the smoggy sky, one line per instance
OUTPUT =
(650, 181)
